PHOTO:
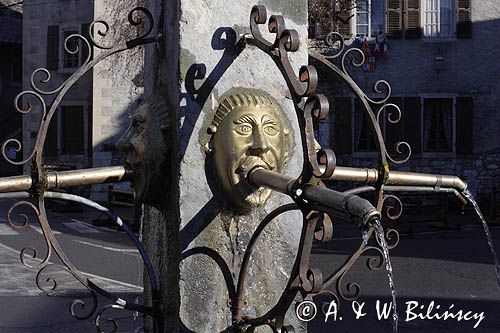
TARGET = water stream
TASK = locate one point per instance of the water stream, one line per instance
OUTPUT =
(469, 197)
(379, 233)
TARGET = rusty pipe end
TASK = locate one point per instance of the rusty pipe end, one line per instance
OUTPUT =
(360, 210)
(460, 185)
(129, 173)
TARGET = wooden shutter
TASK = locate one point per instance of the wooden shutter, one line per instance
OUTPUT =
(464, 125)
(413, 29)
(412, 123)
(393, 132)
(342, 143)
(50, 145)
(393, 20)
(85, 33)
(344, 23)
(52, 47)
(72, 130)
(464, 19)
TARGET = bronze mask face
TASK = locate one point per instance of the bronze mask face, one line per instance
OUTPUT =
(250, 131)
(145, 145)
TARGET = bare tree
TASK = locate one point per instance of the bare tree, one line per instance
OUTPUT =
(331, 14)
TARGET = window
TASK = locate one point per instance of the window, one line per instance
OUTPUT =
(72, 130)
(430, 124)
(369, 18)
(438, 123)
(57, 57)
(17, 70)
(364, 140)
(363, 18)
(438, 18)
(411, 19)
(70, 60)
(67, 134)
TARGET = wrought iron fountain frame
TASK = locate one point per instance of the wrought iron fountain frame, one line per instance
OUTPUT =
(318, 167)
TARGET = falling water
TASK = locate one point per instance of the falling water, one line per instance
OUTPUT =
(140, 281)
(379, 233)
(469, 197)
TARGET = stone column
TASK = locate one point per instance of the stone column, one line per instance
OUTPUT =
(194, 236)
(117, 88)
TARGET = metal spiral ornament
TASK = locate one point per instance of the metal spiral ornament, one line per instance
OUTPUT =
(39, 80)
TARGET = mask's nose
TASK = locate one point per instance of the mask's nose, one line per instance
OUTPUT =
(259, 143)
(123, 143)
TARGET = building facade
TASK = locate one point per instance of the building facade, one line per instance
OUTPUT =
(94, 112)
(442, 63)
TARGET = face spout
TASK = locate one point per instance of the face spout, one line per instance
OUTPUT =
(345, 206)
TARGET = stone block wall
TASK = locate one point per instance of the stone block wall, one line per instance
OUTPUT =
(117, 89)
(195, 67)
(470, 69)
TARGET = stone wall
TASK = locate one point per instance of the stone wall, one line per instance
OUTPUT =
(197, 64)
(117, 89)
(37, 16)
(107, 92)
(470, 68)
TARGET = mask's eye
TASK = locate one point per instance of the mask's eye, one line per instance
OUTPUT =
(244, 129)
(271, 130)
(138, 124)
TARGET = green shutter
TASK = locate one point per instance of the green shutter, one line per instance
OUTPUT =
(50, 145)
(343, 125)
(412, 123)
(53, 47)
(464, 19)
(393, 20)
(413, 29)
(464, 125)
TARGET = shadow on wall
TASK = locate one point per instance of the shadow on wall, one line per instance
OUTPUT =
(224, 38)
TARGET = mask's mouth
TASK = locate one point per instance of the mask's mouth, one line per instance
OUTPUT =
(135, 165)
(251, 162)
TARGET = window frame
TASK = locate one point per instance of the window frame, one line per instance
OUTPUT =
(62, 53)
(355, 152)
(383, 127)
(453, 97)
(453, 22)
(354, 23)
(60, 131)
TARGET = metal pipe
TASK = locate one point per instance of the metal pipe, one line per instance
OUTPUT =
(87, 177)
(60, 179)
(398, 178)
(426, 190)
(359, 190)
(364, 175)
(352, 207)
(15, 184)
(422, 179)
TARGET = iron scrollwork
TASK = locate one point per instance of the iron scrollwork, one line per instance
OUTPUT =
(79, 309)
(319, 165)
(306, 282)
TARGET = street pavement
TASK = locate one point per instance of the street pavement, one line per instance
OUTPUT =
(105, 255)
(451, 268)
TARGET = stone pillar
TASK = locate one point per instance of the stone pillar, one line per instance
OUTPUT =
(195, 240)
(117, 88)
